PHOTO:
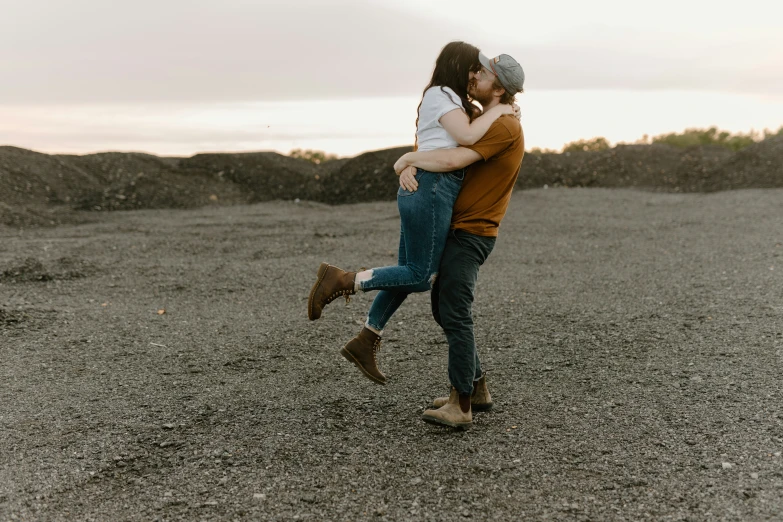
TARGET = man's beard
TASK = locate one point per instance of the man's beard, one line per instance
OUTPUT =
(482, 97)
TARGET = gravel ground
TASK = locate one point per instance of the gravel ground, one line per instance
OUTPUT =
(159, 365)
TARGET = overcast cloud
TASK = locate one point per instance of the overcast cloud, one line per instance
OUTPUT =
(91, 51)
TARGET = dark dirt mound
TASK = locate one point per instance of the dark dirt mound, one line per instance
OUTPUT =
(655, 166)
(757, 166)
(33, 185)
(118, 167)
(31, 178)
(622, 166)
(368, 177)
(695, 172)
(171, 190)
(135, 181)
(34, 215)
(262, 176)
(39, 189)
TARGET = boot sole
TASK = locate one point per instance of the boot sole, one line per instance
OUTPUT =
(345, 353)
(441, 422)
(320, 277)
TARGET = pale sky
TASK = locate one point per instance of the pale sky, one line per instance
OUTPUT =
(91, 58)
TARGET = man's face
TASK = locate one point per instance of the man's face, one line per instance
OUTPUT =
(480, 85)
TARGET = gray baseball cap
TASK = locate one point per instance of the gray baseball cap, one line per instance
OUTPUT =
(508, 71)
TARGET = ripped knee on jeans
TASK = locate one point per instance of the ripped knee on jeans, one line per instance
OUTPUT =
(433, 277)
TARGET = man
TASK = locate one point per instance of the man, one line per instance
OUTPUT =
(494, 163)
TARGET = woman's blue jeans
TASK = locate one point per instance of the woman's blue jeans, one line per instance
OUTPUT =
(425, 220)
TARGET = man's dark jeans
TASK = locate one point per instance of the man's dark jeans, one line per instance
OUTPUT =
(452, 303)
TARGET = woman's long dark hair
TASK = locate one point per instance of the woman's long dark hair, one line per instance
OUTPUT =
(455, 61)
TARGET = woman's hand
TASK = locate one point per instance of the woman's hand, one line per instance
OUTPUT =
(517, 112)
(401, 164)
(408, 179)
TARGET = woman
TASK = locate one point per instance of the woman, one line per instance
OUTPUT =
(446, 119)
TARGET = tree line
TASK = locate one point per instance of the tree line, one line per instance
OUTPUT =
(687, 138)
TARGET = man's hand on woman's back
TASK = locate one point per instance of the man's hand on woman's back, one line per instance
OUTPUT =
(408, 179)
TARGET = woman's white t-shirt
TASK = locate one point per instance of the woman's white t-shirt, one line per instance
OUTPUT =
(430, 134)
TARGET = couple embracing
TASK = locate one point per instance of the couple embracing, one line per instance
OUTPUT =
(454, 191)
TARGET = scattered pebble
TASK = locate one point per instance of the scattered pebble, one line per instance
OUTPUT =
(727, 465)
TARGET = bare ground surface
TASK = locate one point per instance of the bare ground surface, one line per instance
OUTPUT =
(634, 343)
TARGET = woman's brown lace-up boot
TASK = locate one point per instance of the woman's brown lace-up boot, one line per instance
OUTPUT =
(331, 283)
(363, 350)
